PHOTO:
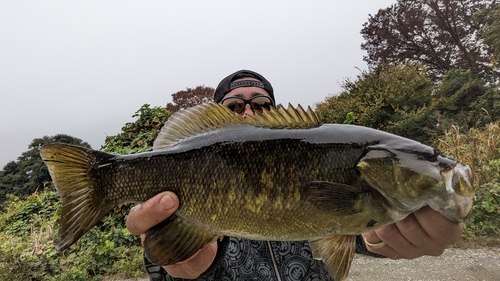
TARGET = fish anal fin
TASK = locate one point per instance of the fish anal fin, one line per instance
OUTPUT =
(336, 197)
(175, 240)
(315, 249)
(337, 252)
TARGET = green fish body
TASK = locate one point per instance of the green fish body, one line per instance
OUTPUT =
(281, 175)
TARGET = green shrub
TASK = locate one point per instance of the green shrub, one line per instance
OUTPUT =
(485, 216)
(27, 251)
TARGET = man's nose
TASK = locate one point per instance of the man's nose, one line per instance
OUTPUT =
(248, 111)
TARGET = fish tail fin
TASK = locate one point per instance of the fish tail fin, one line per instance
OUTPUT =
(71, 169)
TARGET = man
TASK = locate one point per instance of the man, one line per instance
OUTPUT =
(425, 232)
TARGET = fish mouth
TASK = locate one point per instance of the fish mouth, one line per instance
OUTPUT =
(459, 180)
(456, 202)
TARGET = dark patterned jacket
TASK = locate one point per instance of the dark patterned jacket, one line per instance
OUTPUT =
(243, 259)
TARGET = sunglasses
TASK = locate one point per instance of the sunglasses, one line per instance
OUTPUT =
(257, 103)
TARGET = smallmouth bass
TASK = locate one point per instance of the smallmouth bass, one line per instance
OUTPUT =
(281, 175)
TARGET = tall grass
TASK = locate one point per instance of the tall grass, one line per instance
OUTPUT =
(477, 148)
(480, 149)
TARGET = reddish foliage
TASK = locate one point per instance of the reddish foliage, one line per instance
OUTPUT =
(190, 97)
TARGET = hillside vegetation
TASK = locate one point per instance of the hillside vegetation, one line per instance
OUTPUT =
(433, 76)
(28, 226)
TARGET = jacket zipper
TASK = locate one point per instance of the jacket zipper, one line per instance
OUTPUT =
(276, 271)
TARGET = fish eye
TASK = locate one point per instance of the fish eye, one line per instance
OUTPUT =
(430, 154)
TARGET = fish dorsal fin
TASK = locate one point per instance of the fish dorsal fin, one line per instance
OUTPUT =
(290, 118)
(211, 116)
(194, 121)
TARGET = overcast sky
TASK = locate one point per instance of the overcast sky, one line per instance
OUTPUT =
(83, 68)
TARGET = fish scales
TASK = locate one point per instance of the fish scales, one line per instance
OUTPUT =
(263, 188)
(281, 175)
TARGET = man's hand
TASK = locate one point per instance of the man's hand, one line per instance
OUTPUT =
(425, 232)
(146, 215)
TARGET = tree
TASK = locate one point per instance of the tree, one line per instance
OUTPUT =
(488, 105)
(29, 173)
(138, 136)
(440, 34)
(403, 100)
(396, 99)
(491, 31)
(190, 97)
(457, 98)
(10, 180)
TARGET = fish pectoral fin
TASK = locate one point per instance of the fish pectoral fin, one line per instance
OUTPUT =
(337, 252)
(175, 240)
(334, 197)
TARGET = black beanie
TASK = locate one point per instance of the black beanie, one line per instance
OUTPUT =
(225, 86)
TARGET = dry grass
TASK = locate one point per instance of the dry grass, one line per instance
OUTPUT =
(41, 239)
(475, 148)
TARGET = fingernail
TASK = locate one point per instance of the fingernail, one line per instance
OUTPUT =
(167, 202)
(135, 208)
